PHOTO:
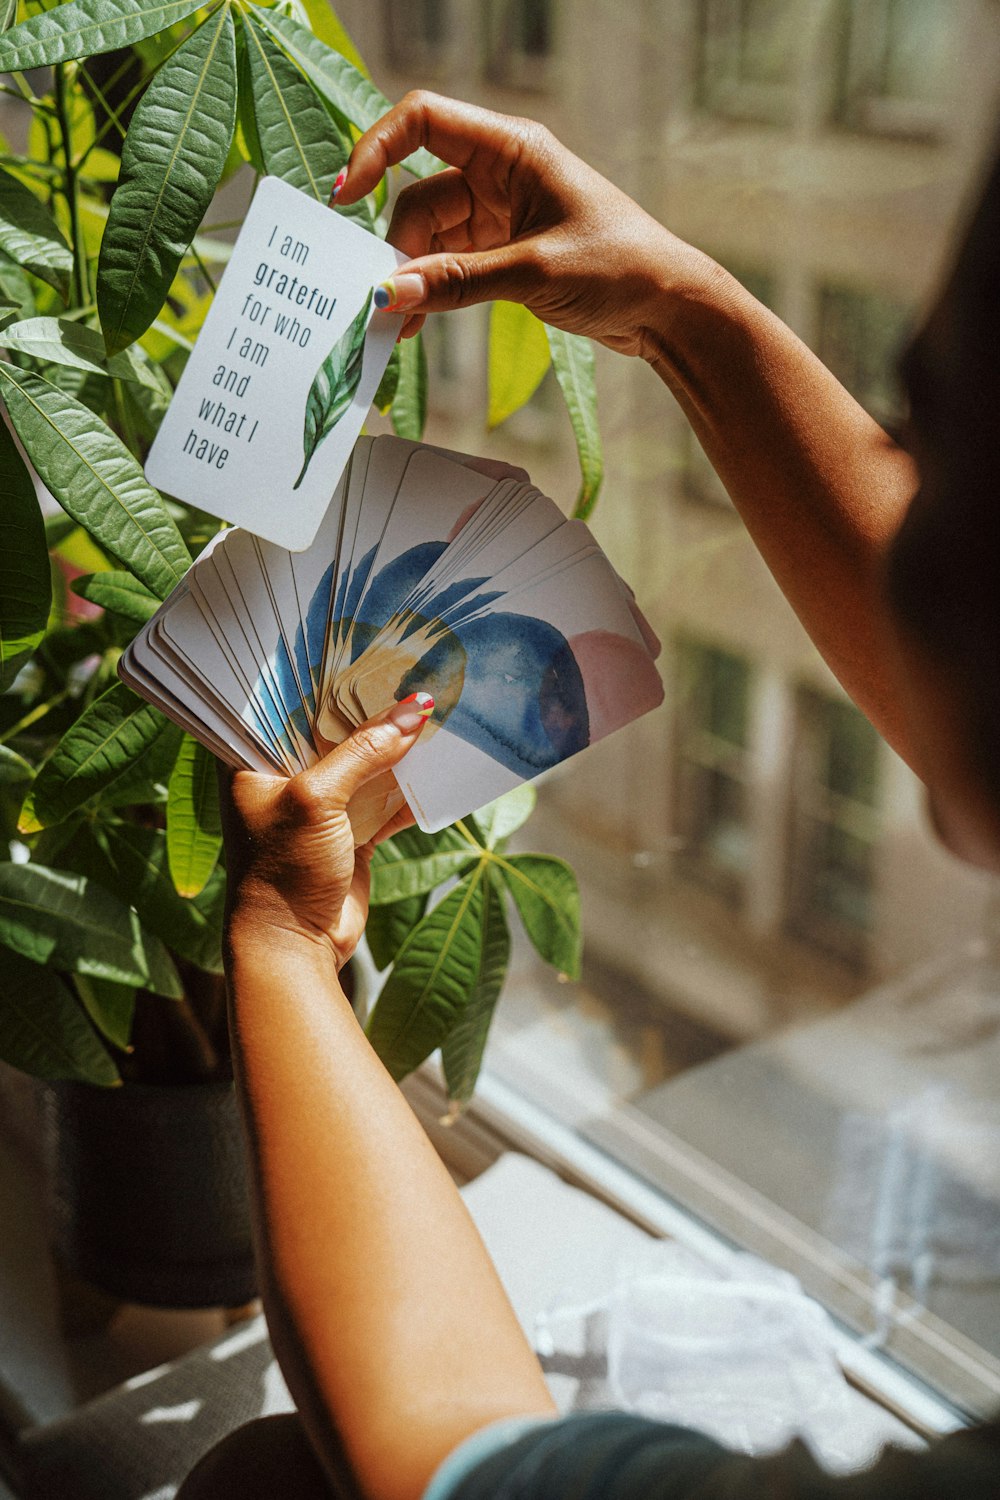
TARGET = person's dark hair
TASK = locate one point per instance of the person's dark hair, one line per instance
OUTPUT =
(944, 570)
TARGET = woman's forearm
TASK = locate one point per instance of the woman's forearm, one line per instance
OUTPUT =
(387, 1316)
(820, 485)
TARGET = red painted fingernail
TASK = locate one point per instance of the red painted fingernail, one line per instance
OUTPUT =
(412, 712)
(338, 183)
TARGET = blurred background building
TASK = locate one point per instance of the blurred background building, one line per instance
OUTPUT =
(752, 853)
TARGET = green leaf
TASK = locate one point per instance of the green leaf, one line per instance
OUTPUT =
(409, 409)
(8, 14)
(84, 28)
(43, 1030)
(334, 386)
(14, 769)
(548, 899)
(110, 1006)
(389, 926)
(30, 236)
(25, 573)
(412, 863)
(15, 287)
(136, 869)
(353, 96)
(499, 819)
(146, 778)
(293, 126)
(96, 479)
(70, 922)
(434, 974)
(463, 1047)
(101, 747)
(60, 341)
(120, 593)
(172, 159)
(389, 384)
(194, 828)
(573, 361)
(518, 359)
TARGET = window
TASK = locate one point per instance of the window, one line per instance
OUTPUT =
(895, 64)
(748, 58)
(834, 827)
(787, 1021)
(713, 690)
(860, 336)
(416, 33)
(519, 36)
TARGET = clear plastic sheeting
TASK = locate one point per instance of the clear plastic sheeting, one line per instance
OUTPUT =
(738, 1352)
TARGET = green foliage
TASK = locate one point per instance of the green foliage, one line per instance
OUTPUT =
(449, 967)
(120, 593)
(96, 479)
(105, 280)
(30, 235)
(409, 408)
(173, 157)
(194, 830)
(25, 577)
(462, 1049)
(573, 362)
(519, 359)
(42, 1028)
(71, 923)
(293, 128)
(83, 28)
(101, 747)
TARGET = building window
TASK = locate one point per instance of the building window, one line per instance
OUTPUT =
(860, 335)
(520, 42)
(700, 481)
(710, 792)
(895, 67)
(748, 59)
(835, 827)
(416, 33)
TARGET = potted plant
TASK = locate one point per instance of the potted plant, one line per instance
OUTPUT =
(111, 894)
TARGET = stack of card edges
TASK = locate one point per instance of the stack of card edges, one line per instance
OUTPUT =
(429, 573)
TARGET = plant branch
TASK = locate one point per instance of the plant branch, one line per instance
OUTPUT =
(38, 712)
(81, 272)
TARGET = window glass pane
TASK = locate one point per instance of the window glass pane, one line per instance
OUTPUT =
(748, 57)
(896, 65)
(519, 41)
(788, 1019)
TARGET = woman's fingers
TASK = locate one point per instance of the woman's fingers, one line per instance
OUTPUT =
(452, 130)
(374, 748)
(443, 213)
(440, 283)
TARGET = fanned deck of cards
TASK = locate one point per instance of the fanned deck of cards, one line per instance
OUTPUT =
(428, 573)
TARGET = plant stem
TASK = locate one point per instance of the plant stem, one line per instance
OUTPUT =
(38, 712)
(81, 278)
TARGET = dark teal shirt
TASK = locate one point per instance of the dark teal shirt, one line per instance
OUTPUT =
(618, 1456)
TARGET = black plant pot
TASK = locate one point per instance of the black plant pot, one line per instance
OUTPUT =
(148, 1193)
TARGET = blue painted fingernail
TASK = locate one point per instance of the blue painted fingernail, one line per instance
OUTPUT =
(383, 295)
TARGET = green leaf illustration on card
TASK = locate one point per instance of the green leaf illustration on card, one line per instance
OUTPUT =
(334, 386)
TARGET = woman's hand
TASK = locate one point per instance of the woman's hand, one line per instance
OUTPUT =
(293, 866)
(521, 218)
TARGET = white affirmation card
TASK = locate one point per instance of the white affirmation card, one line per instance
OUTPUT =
(283, 373)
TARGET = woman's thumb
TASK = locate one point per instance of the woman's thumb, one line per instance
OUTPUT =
(439, 283)
(373, 748)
